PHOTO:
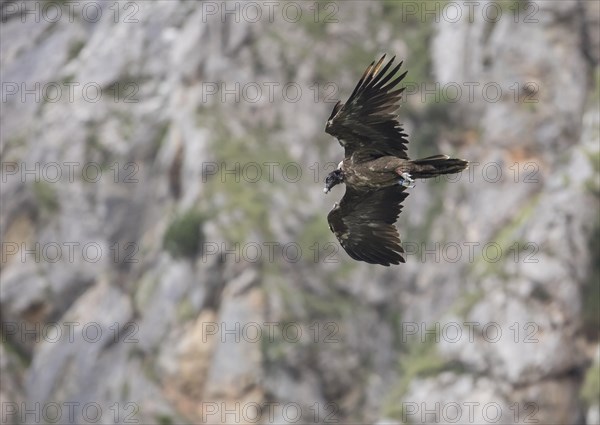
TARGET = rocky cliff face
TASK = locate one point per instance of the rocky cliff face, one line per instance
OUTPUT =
(166, 255)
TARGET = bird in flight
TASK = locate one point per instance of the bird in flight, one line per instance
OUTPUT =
(376, 168)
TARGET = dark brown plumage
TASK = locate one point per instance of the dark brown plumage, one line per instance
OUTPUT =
(376, 168)
(364, 224)
(366, 124)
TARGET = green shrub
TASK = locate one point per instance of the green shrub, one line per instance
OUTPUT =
(184, 236)
(46, 196)
(590, 392)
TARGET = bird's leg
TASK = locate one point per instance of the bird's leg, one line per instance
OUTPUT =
(406, 180)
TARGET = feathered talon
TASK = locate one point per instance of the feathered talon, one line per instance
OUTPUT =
(406, 180)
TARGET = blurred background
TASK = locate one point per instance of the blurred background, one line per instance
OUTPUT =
(166, 256)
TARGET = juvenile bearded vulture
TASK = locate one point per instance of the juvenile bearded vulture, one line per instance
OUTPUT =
(376, 168)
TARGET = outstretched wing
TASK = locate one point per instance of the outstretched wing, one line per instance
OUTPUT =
(368, 120)
(363, 222)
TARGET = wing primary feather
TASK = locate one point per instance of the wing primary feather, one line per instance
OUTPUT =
(388, 76)
(361, 81)
(383, 72)
(378, 66)
(395, 82)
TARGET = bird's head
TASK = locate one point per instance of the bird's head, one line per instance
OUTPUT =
(333, 178)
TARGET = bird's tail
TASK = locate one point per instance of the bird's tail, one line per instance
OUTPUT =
(436, 165)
